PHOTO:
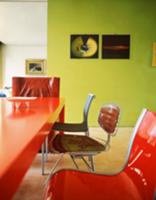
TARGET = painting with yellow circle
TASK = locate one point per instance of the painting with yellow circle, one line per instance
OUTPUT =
(84, 46)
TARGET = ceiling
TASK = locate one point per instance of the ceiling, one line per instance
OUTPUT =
(23, 22)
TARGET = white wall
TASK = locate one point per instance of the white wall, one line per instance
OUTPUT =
(13, 59)
(23, 22)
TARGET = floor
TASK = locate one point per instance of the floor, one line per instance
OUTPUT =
(32, 186)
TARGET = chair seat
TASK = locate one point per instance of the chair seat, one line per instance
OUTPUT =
(76, 143)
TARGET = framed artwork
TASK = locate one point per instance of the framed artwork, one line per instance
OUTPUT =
(115, 46)
(154, 55)
(35, 66)
(84, 46)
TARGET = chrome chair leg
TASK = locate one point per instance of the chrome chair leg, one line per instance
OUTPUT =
(92, 163)
(54, 167)
(90, 167)
(44, 151)
(46, 148)
(89, 163)
(90, 158)
(42, 159)
(76, 165)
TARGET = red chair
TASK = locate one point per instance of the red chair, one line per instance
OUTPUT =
(37, 87)
(136, 181)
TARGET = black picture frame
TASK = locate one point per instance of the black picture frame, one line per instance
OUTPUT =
(84, 46)
(116, 46)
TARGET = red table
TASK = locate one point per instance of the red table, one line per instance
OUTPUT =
(22, 132)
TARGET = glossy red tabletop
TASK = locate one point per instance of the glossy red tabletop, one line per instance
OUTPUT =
(22, 131)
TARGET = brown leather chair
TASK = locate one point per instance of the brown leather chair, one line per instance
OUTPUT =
(80, 146)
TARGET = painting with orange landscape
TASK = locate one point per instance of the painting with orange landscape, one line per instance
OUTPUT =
(115, 46)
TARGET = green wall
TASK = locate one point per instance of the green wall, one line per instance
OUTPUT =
(130, 83)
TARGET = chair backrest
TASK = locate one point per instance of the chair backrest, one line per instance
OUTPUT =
(89, 100)
(35, 86)
(142, 161)
(108, 117)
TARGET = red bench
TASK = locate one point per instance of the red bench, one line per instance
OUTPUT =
(136, 181)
